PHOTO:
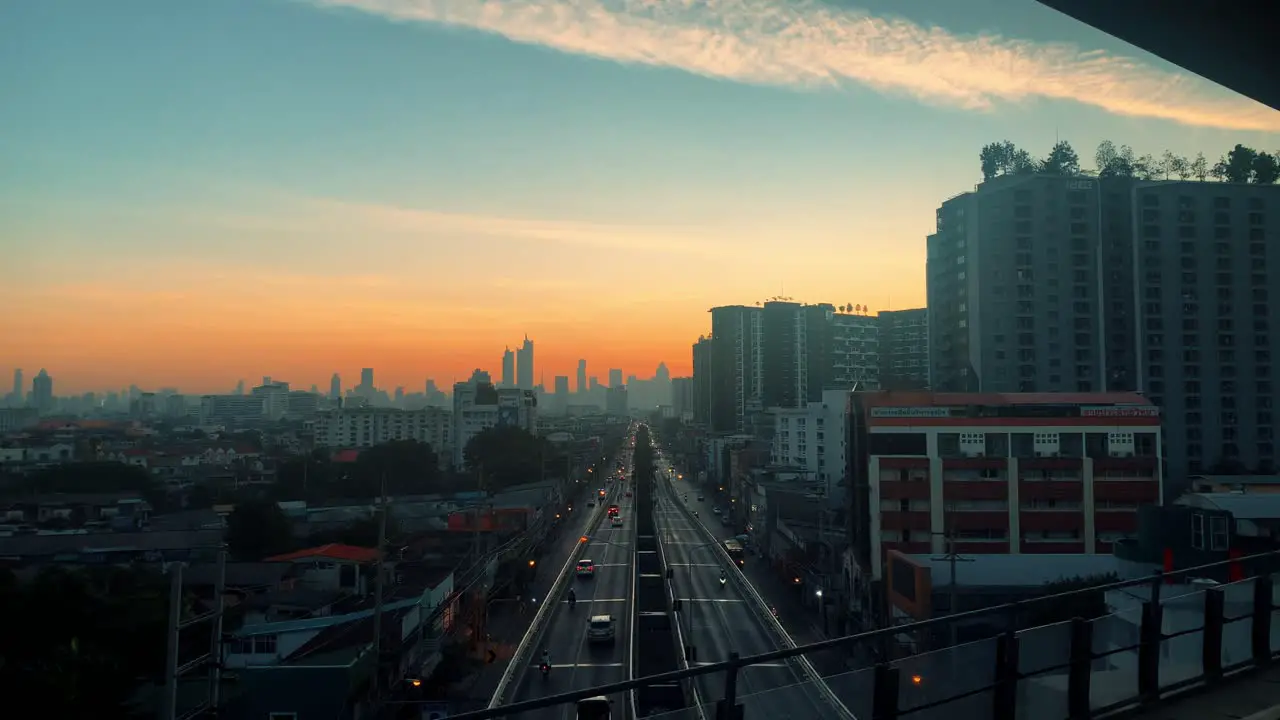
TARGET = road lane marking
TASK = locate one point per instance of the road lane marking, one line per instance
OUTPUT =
(694, 564)
(719, 600)
(759, 665)
(599, 600)
(578, 665)
(600, 565)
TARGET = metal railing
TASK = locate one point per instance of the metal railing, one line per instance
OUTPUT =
(691, 688)
(1158, 647)
(520, 659)
(804, 670)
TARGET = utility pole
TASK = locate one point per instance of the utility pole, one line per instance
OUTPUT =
(212, 660)
(378, 583)
(952, 557)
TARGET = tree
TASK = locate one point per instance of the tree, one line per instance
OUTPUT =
(408, 466)
(1266, 169)
(1175, 166)
(507, 455)
(75, 640)
(304, 478)
(1112, 161)
(1147, 168)
(258, 529)
(1200, 168)
(1005, 158)
(1237, 165)
(1062, 160)
(1087, 605)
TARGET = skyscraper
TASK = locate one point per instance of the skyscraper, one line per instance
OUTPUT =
(508, 368)
(524, 365)
(42, 392)
(615, 377)
(366, 378)
(582, 376)
(335, 387)
(662, 373)
(17, 386)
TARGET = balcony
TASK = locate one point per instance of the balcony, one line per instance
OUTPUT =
(975, 490)
(1134, 491)
(1050, 463)
(977, 520)
(910, 490)
(897, 520)
(1052, 547)
(974, 463)
(1116, 521)
(1050, 490)
(1050, 520)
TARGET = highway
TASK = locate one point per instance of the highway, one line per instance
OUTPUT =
(577, 664)
(717, 621)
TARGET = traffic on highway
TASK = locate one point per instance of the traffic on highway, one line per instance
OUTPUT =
(585, 641)
(718, 616)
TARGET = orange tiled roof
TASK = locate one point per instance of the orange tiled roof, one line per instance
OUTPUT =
(332, 551)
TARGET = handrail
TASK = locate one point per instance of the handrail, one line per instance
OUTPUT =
(806, 668)
(680, 646)
(516, 666)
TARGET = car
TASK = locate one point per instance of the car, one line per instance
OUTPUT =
(614, 510)
(617, 521)
(586, 568)
(628, 493)
(701, 498)
(715, 511)
(601, 629)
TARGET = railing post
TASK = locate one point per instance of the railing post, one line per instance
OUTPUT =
(1263, 607)
(884, 696)
(728, 707)
(1005, 695)
(1214, 616)
(1081, 671)
(1149, 636)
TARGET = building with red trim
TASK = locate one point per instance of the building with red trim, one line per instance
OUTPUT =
(1016, 473)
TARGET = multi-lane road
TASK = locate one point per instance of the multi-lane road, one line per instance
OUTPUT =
(577, 663)
(717, 621)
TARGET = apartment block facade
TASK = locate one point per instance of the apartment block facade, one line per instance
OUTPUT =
(1044, 283)
(1001, 473)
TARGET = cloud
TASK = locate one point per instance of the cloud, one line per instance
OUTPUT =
(801, 43)
(323, 214)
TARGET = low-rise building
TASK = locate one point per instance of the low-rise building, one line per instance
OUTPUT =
(1001, 473)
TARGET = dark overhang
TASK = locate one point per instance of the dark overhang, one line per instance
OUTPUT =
(1231, 42)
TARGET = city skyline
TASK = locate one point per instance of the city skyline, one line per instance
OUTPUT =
(598, 198)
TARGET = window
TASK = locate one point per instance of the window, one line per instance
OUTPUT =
(1197, 531)
(1218, 537)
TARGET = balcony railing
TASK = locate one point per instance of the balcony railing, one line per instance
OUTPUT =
(1169, 639)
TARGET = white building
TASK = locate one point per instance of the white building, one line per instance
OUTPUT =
(231, 409)
(477, 406)
(810, 442)
(351, 427)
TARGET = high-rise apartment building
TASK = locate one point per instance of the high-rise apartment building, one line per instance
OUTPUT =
(701, 398)
(42, 392)
(904, 349)
(524, 365)
(615, 377)
(1045, 283)
(736, 367)
(508, 368)
(366, 378)
(582, 376)
(335, 387)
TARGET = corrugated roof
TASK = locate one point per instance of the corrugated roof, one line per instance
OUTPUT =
(1241, 506)
(332, 551)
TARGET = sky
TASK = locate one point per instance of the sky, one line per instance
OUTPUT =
(194, 193)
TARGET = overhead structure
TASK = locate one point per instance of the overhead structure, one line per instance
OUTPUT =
(1231, 43)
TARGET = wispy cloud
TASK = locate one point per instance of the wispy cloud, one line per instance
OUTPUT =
(802, 43)
(313, 214)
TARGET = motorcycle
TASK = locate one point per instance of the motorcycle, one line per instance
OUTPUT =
(573, 600)
(723, 580)
(546, 669)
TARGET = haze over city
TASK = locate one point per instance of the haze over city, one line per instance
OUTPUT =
(414, 185)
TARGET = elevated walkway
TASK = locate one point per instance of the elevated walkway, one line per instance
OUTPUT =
(1255, 696)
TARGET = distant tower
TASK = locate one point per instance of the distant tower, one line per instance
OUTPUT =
(335, 387)
(366, 378)
(662, 374)
(508, 368)
(524, 365)
(42, 392)
(582, 376)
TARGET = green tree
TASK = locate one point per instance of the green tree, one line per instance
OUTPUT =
(409, 467)
(73, 640)
(1175, 166)
(1087, 605)
(1112, 161)
(1062, 160)
(304, 478)
(507, 455)
(1200, 167)
(1266, 169)
(258, 529)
